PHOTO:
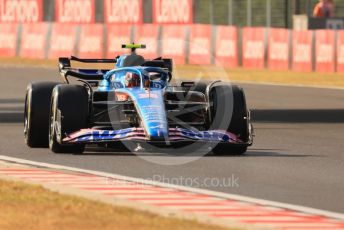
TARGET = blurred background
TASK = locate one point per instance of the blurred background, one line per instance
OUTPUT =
(272, 34)
(269, 13)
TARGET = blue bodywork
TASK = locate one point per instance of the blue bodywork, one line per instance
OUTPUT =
(148, 99)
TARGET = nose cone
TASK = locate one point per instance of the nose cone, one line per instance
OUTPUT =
(151, 108)
(157, 133)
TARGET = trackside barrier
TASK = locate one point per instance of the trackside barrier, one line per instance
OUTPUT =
(174, 43)
(276, 49)
(74, 11)
(302, 51)
(116, 35)
(200, 45)
(148, 34)
(253, 48)
(34, 40)
(172, 11)
(226, 46)
(325, 50)
(62, 40)
(91, 42)
(8, 39)
(21, 11)
(119, 11)
(340, 51)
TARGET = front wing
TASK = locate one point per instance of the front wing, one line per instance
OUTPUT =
(138, 134)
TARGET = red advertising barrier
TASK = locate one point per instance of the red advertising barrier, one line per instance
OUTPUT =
(21, 11)
(74, 11)
(226, 52)
(119, 11)
(278, 52)
(325, 51)
(200, 45)
(62, 40)
(91, 41)
(172, 11)
(8, 39)
(173, 43)
(302, 51)
(253, 47)
(116, 36)
(33, 40)
(148, 34)
(340, 51)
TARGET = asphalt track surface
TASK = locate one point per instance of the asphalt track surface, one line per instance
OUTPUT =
(297, 156)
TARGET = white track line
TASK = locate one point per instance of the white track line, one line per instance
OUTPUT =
(193, 190)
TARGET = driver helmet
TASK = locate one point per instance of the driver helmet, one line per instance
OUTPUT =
(132, 80)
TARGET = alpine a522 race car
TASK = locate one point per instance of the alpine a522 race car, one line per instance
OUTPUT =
(135, 104)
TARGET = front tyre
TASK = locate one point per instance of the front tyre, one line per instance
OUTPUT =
(229, 112)
(69, 113)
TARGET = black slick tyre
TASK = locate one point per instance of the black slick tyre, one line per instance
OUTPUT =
(69, 113)
(36, 113)
(229, 112)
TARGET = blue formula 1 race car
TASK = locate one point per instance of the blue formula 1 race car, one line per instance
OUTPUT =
(134, 105)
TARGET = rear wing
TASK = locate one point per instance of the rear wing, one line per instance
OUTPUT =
(66, 69)
(91, 60)
(91, 75)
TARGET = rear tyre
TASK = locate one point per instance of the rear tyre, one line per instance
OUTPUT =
(229, 112)
(69, 113)
(36, 113)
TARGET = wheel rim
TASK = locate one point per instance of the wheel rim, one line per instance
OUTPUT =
(27, 116)
(26, 128)
(25, 125)
(52, 123)
(51, 131)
